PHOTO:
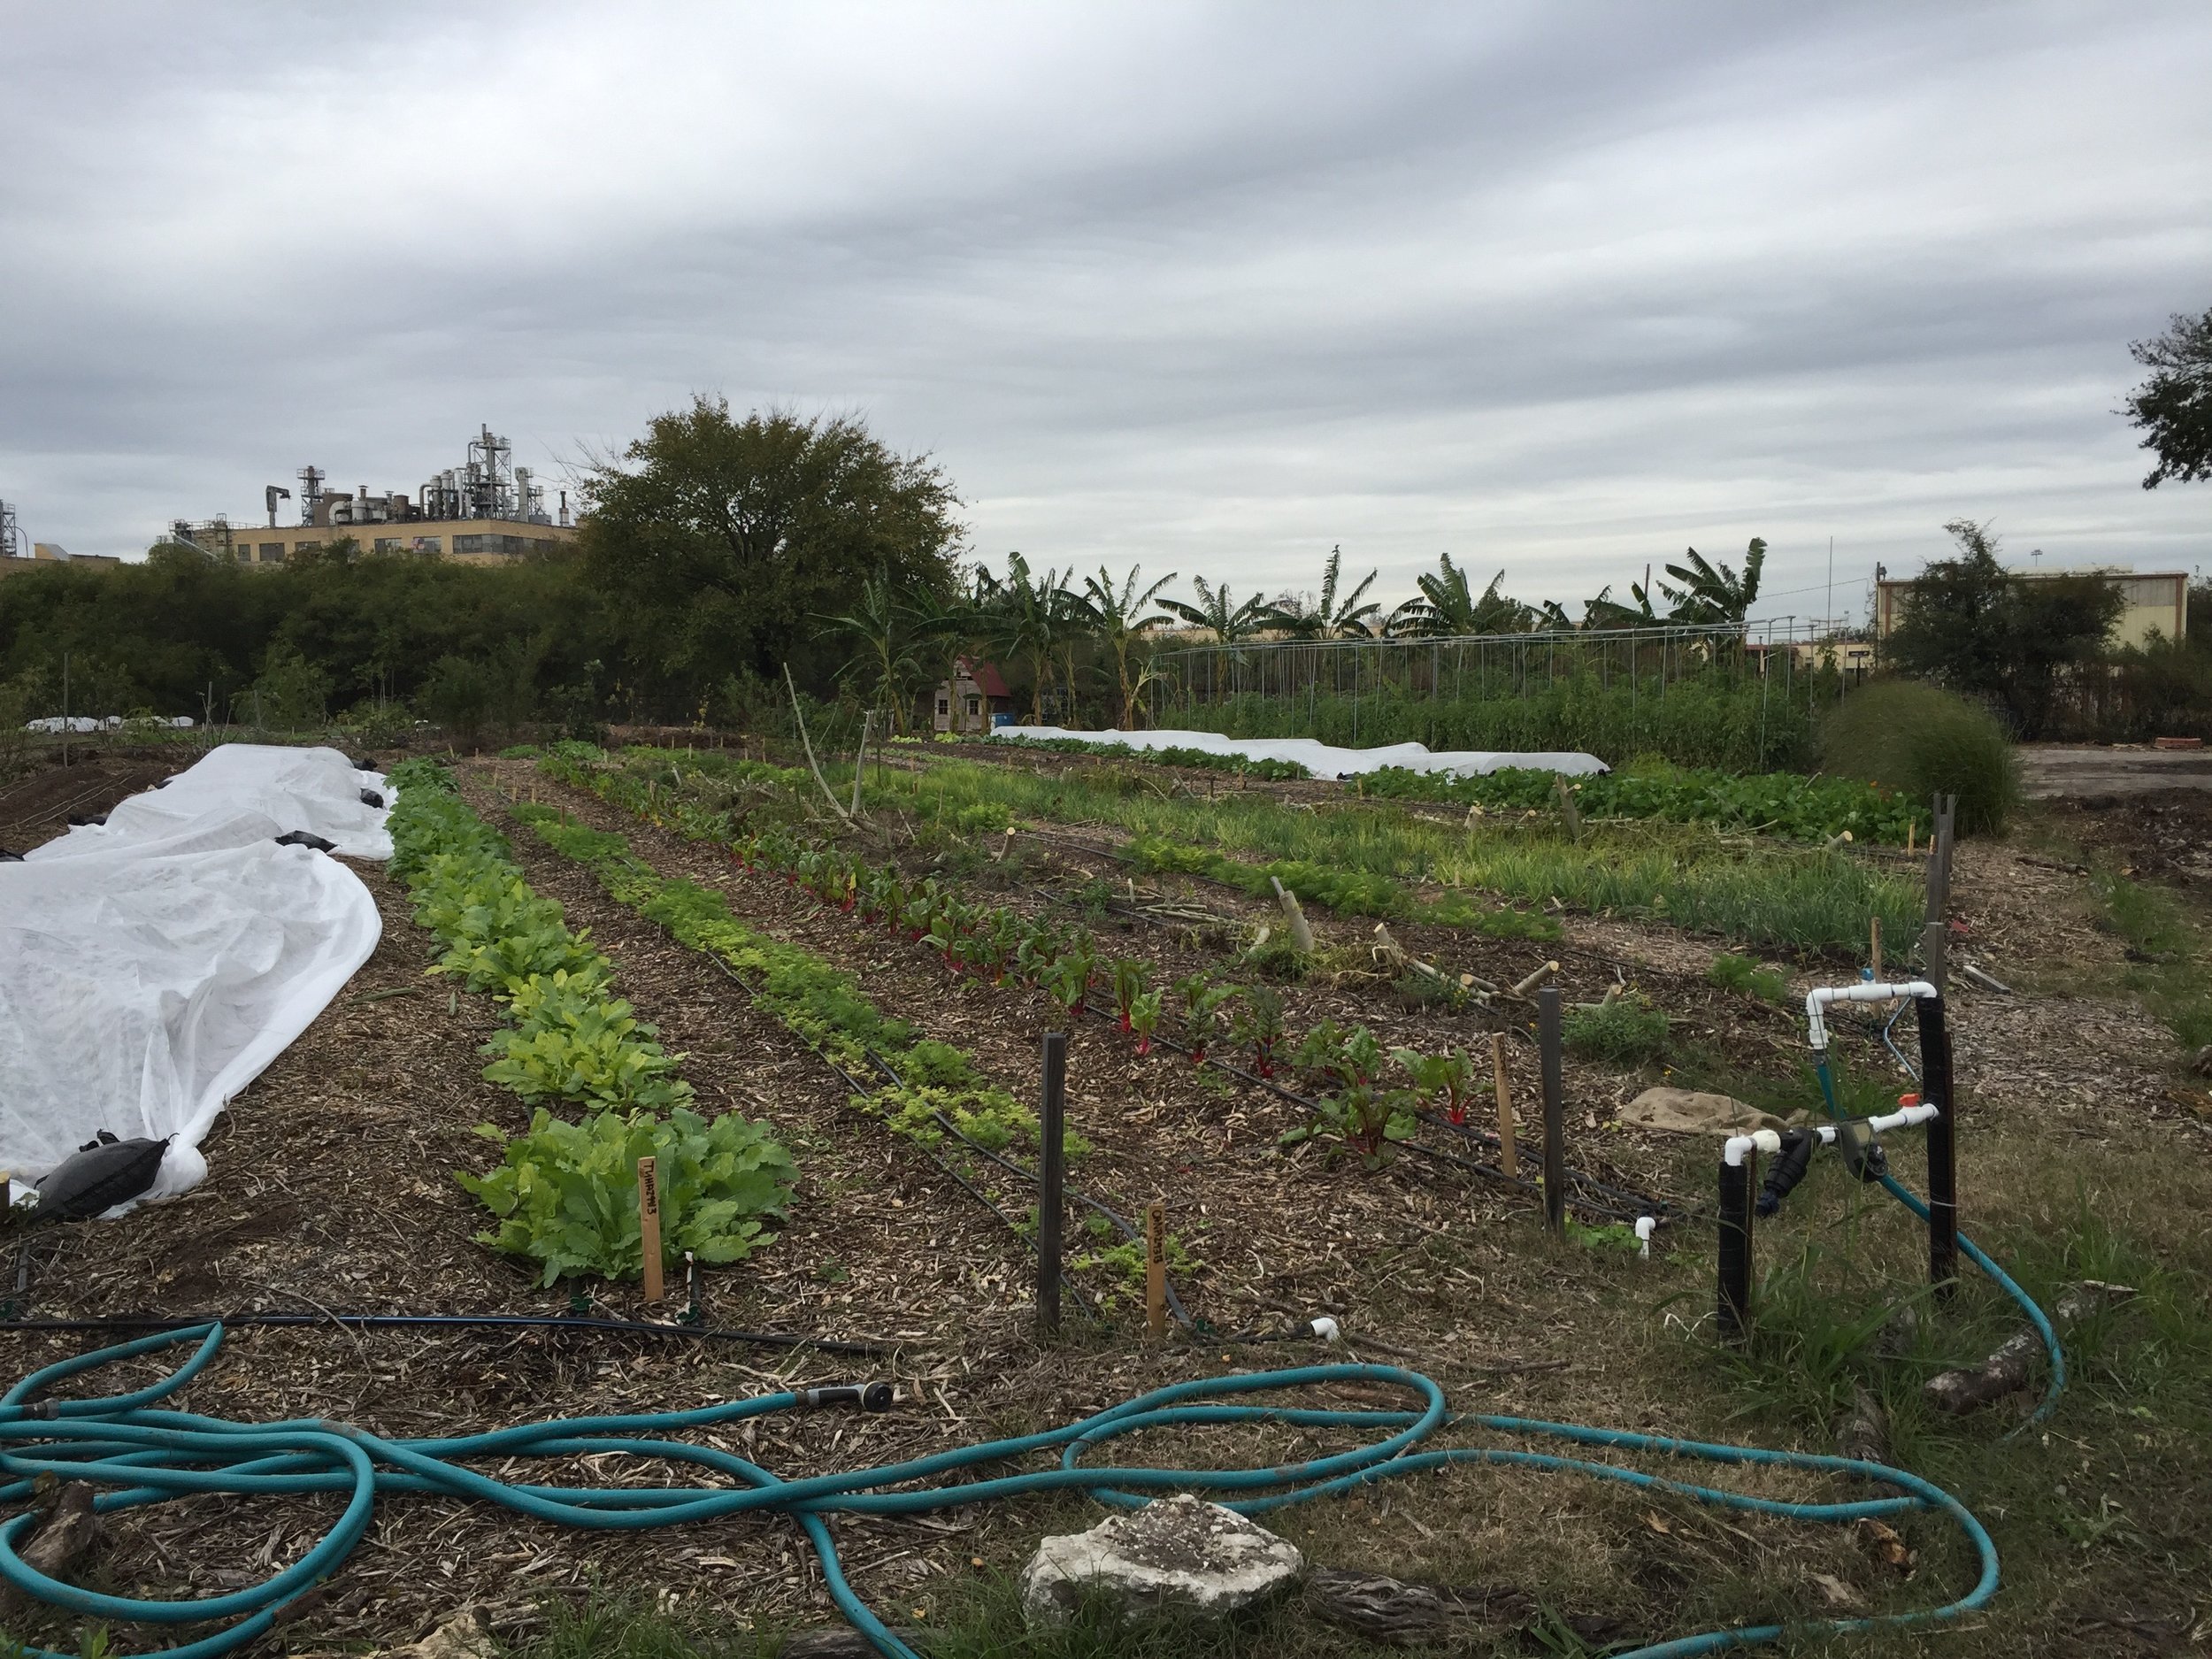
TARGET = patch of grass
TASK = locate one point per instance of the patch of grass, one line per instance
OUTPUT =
(1740, 974)
(1628, 1030)
(2170, 971)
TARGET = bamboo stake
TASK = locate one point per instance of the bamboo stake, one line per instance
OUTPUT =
(649, 1224)
(1509, 1160)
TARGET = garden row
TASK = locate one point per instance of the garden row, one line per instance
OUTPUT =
(1362, 858)
(1802, 807)
(566, 1192)
(1350, 1094)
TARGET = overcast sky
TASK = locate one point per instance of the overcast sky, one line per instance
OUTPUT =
(1557, 288)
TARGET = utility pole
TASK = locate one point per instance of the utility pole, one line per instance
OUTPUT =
(1828, 607)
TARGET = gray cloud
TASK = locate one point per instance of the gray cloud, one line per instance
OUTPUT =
(1560, 289)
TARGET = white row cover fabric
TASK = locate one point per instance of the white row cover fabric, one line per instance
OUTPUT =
(149, 971)
(1325, 760)
(314, 789)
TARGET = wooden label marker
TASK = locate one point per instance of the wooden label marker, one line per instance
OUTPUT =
(1155, 1269)
(648, 1224)
(1874, 944)
(1509, 1159)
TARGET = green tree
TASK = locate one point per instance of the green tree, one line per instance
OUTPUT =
(1354, 617)
(1119, 619)
(882, 626)
(1971, 625)
(1447, 606)
(720, 541)
(1713, 594)
(1220, 616)
(2174, 407)
(1028, 618)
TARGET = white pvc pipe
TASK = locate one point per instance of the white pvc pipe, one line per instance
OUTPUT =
(1820, 996)
(1739, 1147)
(1326, 1328)
(1646, 1225)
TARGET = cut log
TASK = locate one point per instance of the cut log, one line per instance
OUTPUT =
(2008, 1368)
(68, 1530)
(1301, 934)
(1863, 1432)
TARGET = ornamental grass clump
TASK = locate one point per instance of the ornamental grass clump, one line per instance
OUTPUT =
(1923, 740)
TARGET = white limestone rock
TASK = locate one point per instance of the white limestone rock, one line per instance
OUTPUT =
(1178, 1552)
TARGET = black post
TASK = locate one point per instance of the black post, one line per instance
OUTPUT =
(1734, 1308)
(1938, 1088)
(1052, 1166)
(1554, 1110)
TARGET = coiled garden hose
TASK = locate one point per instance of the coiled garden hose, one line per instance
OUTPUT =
(1912, 1201)
(141, 1454)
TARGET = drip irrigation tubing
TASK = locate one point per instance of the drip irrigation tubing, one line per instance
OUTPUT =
(139, 1454)
(962, 1181)
(449, 1321)
(1128, 1233)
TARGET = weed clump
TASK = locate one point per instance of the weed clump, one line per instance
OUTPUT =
(1732, 972)
(1628, 1030)
(1923, 739)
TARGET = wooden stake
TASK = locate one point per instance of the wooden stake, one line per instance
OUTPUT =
(1155, 1269)
(1567, 809)
(648, 1224)
(1509, 1159)
(1874, 928)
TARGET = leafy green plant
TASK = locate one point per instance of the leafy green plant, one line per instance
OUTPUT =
(1369, 1121)
(1258, 1026)
(1143, 1016)
(1203, 1020)
(566, 1193)
(1446, 1080)
(1628, 1030)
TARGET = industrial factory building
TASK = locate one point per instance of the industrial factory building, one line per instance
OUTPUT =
(484, 511)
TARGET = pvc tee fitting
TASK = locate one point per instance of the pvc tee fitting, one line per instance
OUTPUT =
(1817, 999)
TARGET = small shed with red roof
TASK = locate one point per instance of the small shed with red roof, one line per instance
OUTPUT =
(973, 698)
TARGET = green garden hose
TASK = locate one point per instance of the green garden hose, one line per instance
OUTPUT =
(2037, 1317)
(140, 1454)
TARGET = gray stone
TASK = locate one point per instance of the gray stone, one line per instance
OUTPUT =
(1178, 1552)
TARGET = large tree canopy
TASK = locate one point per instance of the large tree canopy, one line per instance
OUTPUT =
(725, 541)
(2174, 407)
(1974, 625)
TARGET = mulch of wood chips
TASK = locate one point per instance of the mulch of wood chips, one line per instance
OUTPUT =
(331, 1189)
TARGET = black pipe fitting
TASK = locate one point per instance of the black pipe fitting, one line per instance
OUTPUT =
(875, 1396)
(1862, 1154)
(1795, 1159)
